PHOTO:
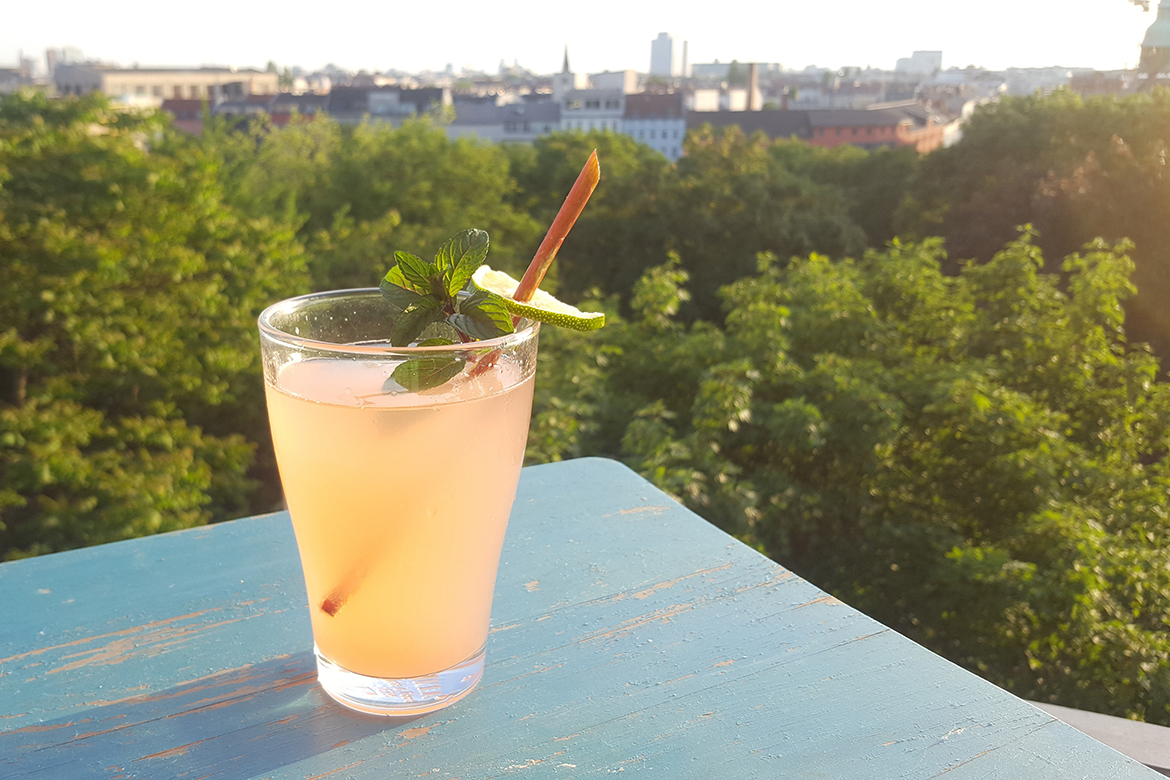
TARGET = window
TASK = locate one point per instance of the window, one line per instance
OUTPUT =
(613, 104)
(140, 89)
(572, 105)
(592, 104)
(156, 91)
(652, 134)
(194, 90)
(178, 91)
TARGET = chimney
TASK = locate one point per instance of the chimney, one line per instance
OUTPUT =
(754, 100)
(686, 62)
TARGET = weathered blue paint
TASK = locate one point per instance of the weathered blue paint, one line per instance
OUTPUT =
(628, 636)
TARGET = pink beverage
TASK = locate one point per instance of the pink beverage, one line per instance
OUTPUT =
(399, 502)
(398, 491)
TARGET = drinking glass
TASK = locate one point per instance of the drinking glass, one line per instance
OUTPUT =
(399, 498)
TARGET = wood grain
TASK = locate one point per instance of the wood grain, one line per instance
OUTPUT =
(628, 636)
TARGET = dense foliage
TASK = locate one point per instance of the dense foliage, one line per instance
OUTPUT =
(1076, 169)
(129, 386)
(974, 453)
(978, 461)
(730, 197)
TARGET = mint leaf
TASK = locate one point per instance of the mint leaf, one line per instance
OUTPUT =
(415, 319)
(396, 277)
(398, 296)
(423, 294)
(460, 256)
(418, 272)
(426, 372)
(481, 315)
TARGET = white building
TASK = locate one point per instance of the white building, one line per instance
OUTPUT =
(920, 63)
(725, 99)
(593, 109)
(513, 122)
(625, 80)
(12, 79)
(662, 60)
(659, 121)
(703, 100)
(158, 84)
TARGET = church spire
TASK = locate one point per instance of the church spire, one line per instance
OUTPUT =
(565, 67)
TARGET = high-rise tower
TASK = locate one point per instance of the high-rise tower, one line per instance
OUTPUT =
(662, 56)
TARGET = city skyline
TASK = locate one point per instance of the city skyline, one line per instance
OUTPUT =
(1102, 34)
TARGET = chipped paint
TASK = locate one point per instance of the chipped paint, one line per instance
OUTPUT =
(676, 679)
(181, 750)
(124, 632)
(664, 615)
(334, 771)
(642, 594)
(416, 732)
(655, 509)
(149, 644)
(773, 714)
(509, 627)
(50, 727)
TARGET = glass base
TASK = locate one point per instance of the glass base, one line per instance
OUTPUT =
(399, 697)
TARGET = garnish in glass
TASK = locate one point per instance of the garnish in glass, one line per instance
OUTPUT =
(477, 304)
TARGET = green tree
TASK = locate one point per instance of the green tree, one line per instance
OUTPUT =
(128, 297)
(874, 183)
(360, 193)
(1074, 168)
(980, 461)
(727, 199)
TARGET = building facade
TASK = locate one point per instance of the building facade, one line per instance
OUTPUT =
(12, 79)
(893, 126)
(211, 84)
(658, 121)
(625, 80)
(921, 63)
(593, 109)
(513, 122)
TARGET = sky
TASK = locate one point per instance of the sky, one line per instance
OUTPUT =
(600, 35)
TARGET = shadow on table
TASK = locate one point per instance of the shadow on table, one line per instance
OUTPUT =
(240, 723)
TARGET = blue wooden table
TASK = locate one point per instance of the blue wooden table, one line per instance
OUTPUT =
(629, 636)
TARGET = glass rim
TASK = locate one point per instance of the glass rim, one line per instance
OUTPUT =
(526, 329)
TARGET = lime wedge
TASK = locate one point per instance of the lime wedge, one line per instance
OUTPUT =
(542, 308)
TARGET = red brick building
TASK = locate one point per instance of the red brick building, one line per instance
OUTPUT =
(909, 124)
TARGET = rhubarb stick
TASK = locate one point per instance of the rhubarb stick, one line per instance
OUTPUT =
(571, 209)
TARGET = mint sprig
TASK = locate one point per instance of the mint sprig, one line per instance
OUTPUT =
(423, 293)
